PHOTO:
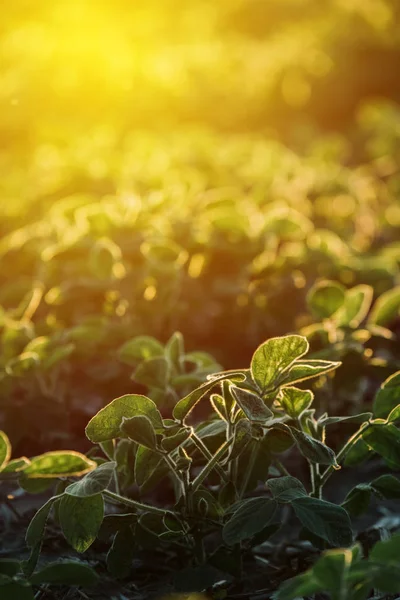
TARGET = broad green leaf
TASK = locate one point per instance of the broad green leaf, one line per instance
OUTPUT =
(147, 465)
(174, 441)
(9, 566)
(386, 308)
(35, 531)
(94, 482)
(357, 454)
(385, 577)
(140, 430)
(302, 586)
(36, 485)
(140, 348)
(294, 400)
(325, 298)
(218, 403)
(13, 590)
(387, 486)
(387, 551)
(332, 570)
(252, 405)
(121, 554)
(326, 520)
(356, 305)
(153, 372)
(394, 414)
(16, 465)
(61, 463)
(242, 437)
(384, 439)
(186, 404)
(174, 350)
(80, 520)
(388, 396)
(357, 500)
(306, 369)
(314, 450)
(5, 450)
(250, 518)
(274, 357)
(66, 573)
(105, 425)
(286, 489)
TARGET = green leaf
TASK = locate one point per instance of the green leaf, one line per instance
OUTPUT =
(80, 520)
(9, 566)
(242, 436)
(286, 489)
(149, 465)
(387, 486)
(16, 465)
(5, 450)
(384, 439)
(325, 298)
(314, 450)
(274, 357)
(250, 518)
(153, 372)
(140, 430)
(388, 396)
(356, 306)
(326, 520)
(36, 528)
(174, 441)
(140, 348)
(94, 482)
(361, 418)
(357, 454)
(386, 308)
(357, 500)
(394, 415)
(307, 369)
(332, 570)
(105, 425)
(186, 404)
(66, 573)
(61, 463)
(121, 554)
(252, 405)
(302, 586)
(174, 350)
(12, 590)
(294, 400)
(387, 551)
(218, 403)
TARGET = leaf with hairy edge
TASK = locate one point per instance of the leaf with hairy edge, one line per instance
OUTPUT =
(387, 486)
(356, 305)
(94, 482)
(252, 405)
(80, 519)
(286, 489)
(384, 439)
(361, 418)
(174, 441)
(294, 400)
(325, 298)
(140, 430)
(386, 308)
(105, 425)
(61, 463)
(186, 404)
(249, 518)
(274, 357)
(388, 396)
(5, 450)
(242, 437)
(307, 369)
(16, 465)
(66, 572)
(326, 520)
(35, 531)
(314, 450)
(147, 464)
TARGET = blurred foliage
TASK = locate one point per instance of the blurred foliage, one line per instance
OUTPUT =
(191, 167)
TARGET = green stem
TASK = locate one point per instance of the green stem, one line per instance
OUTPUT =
(135, 504)
(343, 452)
(212, 464)
(200, 445)
(175, 473)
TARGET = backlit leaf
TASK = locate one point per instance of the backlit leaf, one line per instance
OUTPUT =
(274, 356)
(60, 463)
(252, 405)
(325, 298)
(140, 430)
(94, 482)
(250, 518)
(80, 519)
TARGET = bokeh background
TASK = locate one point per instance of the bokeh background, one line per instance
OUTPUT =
(193, 166)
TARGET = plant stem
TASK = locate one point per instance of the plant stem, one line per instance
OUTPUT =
(200, 445)
(316, 489)
(212, 464)
(135, 503)
(343, 452)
